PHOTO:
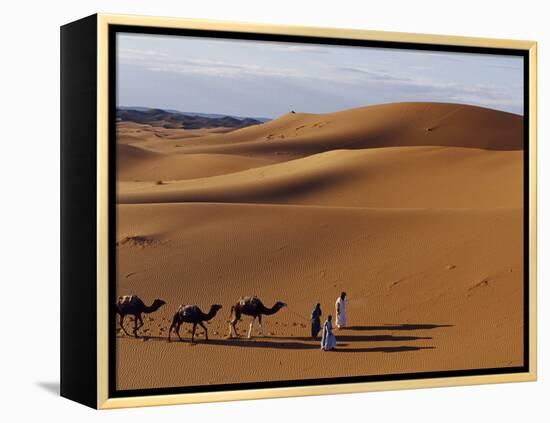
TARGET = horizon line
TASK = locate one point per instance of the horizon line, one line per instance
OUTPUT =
(169, 109)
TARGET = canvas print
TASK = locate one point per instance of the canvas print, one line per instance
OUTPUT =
(298, 212)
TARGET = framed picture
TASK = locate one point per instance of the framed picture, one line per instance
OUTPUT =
(254, 211)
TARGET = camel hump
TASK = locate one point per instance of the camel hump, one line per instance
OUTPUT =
(127, 299)
(251, 301)
(187, 309)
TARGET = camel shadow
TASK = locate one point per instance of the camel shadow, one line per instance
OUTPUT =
(262, 343)
(232, 342)
(146, 338)
(404, 326)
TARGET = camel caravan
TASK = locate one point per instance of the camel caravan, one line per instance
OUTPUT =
(192, 314)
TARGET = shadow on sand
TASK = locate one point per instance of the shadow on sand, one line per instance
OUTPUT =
(233, 342)
(404, 326)
(296, 343)
(401, 348)
(355, 338)
(307, 343)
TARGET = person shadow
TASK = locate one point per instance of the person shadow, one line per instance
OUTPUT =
(400, 348)
(403, 326)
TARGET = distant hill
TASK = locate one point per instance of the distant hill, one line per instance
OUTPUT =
(187, 120)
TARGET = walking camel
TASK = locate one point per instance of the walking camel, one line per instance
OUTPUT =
(192, 314)
(132, 304)
(251, 306)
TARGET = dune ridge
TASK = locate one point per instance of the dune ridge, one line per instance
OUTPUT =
(386, 125)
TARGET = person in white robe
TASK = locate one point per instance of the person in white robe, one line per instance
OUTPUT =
(341, 311)
(328, 340)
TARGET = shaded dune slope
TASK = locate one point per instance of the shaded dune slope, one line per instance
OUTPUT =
(137, 164)
(383, 177)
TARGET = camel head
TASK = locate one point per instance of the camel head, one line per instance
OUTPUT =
(279, 305)
(213, 311)
(215, 307)
(158, 304)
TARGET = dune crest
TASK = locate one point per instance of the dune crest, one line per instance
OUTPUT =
(386, 125)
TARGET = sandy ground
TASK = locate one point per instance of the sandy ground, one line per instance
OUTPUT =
(414, 209)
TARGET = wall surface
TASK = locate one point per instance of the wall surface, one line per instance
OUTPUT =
(30, 208)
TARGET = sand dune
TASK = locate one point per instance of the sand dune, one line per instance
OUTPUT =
(388, 125)
(461, 269)
(415, 209)
(147, 135)
(382, 177)
(137, 164)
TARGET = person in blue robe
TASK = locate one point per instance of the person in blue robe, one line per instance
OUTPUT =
(328, 341)
(316, 320)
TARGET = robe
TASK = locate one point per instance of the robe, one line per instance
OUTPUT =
(340, 317)
(315, 321)
(328, 341)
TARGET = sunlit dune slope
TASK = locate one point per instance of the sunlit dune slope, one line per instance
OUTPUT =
(386, 125)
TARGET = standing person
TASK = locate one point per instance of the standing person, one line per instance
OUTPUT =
(316, 320)
(328, 341)
(341, 311)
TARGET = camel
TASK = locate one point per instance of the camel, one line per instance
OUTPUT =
(251, 306)
(132, 304)
(192, 314)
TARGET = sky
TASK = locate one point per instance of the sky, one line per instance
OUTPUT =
(268, 79)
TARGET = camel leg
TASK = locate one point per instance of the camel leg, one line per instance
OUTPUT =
(261, 325)
(193, 334)
(140, 321)
(233, 329)
(122, 324)
(250, 328)
(136, 326)
(172, 327)
(175, 322)
(205, 330)
(178, 330)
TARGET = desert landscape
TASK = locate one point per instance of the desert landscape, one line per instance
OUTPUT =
(414, 209)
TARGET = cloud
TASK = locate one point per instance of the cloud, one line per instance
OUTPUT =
(224, 69)
(133, 55)
(160, 62)
(480, 94)
(514, 67)
(371, 74)
(448, 57)
(302, 49)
